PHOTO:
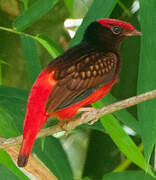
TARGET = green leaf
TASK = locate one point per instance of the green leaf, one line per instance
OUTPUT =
(0, 74)
(14, 93)
(123, 141)
(54, 158)
(98, 6)
(147, 77)
(25, 2)
(7, 125)
(102, 153)
(5, 174)
(128, 175)
(13, 101)
(3, 62)
(69, 4)
(15, 108)
(86, 178)
(10, 112)
(53, 48)
(123, 115)
(31, 57)
(125, 9)
(7, 162)
(28, 17)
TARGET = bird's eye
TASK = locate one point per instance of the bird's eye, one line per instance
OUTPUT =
(116, 29)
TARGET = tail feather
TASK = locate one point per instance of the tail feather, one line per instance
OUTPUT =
(25, 150)
(22, 160)
(36, 114)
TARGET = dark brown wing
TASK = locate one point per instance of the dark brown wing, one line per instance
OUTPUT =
(80, 77)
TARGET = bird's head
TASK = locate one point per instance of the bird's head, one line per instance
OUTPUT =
(108, 34)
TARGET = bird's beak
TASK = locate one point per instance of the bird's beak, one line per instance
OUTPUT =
(133, 33)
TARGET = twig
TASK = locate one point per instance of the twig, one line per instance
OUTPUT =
(35, 167)
(92, 114)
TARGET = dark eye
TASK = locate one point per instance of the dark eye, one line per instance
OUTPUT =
(116, 29)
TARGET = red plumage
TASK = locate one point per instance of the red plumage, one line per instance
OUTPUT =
(81, 76)
(35, 114)
(111, 22)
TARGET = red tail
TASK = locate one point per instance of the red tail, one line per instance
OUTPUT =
(23, 155)
(35, 113)
(25, 151)
(28, 141)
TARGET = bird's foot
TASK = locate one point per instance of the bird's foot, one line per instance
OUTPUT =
(62, 125)
(93, 121)
(86, 109)
(84, 116)
(87, 113)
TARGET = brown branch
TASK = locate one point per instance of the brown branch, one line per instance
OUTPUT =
(86, 117)
(35, 167)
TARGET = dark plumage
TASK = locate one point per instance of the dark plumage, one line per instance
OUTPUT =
(86, 66)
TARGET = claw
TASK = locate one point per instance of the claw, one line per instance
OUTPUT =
(93, 121)
(85, 115)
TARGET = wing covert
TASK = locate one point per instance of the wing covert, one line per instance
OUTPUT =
(73, 80)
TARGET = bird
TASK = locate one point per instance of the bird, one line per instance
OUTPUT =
(80, 76)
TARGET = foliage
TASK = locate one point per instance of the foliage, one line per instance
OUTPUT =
(106, 151)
